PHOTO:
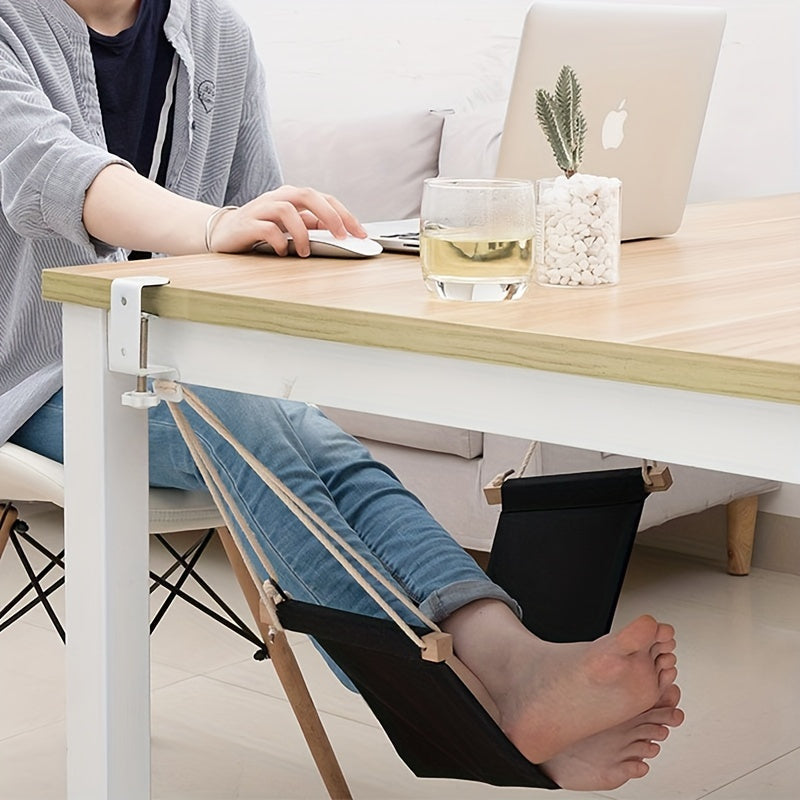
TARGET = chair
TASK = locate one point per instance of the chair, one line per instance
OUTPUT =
(26, 476)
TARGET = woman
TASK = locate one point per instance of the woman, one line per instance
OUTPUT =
(134, 127)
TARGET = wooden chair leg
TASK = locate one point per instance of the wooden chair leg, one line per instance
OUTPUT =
(294, 685)
(742, 515)
(8, 516)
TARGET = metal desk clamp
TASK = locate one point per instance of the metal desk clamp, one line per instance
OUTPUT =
(127, 338)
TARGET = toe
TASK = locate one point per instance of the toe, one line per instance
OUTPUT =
(641, 749)
(629, 770)
(666, 677)
(651, 732)
(637, 635)
(666, 661)
(636, 769)
(670, 697)
(613, 777)
(663, 647)
(661, 716)
(664, 632)
(676, 718)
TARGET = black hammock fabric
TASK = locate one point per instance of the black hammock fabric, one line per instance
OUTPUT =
(562, 547)
(435, 724)
(561, 550)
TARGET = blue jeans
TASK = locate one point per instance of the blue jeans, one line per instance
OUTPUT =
(334, 474)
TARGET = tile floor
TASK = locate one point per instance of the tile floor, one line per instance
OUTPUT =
(222, 730)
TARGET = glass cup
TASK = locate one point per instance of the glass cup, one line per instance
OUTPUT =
(476, 238)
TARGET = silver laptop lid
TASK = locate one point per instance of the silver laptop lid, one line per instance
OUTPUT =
(646, 73)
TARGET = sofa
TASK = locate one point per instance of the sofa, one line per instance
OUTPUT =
(367, 113)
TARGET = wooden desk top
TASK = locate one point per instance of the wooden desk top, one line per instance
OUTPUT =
(715, 308)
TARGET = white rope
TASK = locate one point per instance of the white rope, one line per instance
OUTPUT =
(221, 497)
(527, 457)
(311, 521)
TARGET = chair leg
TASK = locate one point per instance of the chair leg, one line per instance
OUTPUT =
(35, 580)
(8, 516)
(187, 562)
(742, 514)
(291, 679)
(15, 530)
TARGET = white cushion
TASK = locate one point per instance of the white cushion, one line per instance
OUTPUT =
(174, 510)
(26, 476)
(374, 165)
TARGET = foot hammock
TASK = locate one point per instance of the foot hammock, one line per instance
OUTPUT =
(561, 550)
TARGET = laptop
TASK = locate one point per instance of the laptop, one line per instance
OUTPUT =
(395, 235)
(646, 73)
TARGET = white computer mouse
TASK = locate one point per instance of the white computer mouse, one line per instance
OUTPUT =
(325, 244)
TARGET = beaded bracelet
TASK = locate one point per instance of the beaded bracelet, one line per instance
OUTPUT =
(211, 223)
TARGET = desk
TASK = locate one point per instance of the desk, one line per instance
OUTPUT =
(694, 359)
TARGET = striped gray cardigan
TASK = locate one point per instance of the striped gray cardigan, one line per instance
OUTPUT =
(52, 146)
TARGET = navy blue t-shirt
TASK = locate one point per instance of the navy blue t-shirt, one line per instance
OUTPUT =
(132, 71)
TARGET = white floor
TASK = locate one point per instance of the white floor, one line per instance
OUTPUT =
(222, 730)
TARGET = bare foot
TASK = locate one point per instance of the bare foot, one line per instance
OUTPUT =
(550, 696)
(572, 691)
(612, 757)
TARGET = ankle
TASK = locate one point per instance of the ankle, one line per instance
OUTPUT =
(493, 644)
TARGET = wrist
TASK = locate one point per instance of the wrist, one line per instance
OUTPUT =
(211, 224)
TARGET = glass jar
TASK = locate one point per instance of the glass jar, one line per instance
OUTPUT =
(577, 231)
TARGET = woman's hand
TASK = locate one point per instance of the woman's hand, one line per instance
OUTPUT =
(124, 209)
(271, 217)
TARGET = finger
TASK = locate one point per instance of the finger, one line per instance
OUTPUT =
(296, 228)
(310, 220)
(314, 224)
(240, 230)
(349, 219)
(306, 199)
(325, 211)
(272, 209)
(274, 236)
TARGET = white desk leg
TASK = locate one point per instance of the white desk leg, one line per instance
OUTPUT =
(108, 659)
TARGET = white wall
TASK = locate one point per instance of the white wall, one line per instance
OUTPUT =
(359, 57)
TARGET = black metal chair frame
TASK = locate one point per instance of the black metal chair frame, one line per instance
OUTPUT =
(185, 563)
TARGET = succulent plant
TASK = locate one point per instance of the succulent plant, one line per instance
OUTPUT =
(562, 120)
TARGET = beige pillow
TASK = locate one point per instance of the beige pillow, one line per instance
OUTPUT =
(374, 165)
(471, 142)
(408, 433)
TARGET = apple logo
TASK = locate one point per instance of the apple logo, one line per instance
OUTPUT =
(612, 133)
